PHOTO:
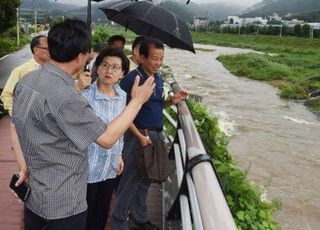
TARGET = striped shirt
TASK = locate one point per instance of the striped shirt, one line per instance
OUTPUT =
(55, 125)
(103, 162)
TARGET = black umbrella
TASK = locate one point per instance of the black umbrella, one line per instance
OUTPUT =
(146, 18)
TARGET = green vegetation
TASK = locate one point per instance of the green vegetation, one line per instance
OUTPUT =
(244, 198)
(269, 29)
(7, 31)
(291, 64)
(8, 41)
(101, 35)
(112, 30)
(8, 14)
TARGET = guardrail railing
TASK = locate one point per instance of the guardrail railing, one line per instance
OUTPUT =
(199, 201)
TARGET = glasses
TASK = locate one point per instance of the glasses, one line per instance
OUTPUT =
(113, 68)
(44, 48)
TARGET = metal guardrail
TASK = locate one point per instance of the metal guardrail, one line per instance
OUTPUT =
(200, 202)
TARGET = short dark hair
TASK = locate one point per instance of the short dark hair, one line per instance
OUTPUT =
(114, 38)
(137, 41)
(68, 39)
(110, 52)
(147, 43)
(35, 42)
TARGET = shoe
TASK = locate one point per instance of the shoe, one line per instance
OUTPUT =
(146, 226)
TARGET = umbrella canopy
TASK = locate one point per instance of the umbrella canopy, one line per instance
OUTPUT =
(146, 18)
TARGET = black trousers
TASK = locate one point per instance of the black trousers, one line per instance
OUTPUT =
(34, 222)
(98, 199)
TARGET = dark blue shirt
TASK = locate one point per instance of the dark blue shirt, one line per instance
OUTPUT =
(150, 116)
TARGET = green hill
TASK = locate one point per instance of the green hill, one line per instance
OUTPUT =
(282, 7)
(214, 11)
(313, 16)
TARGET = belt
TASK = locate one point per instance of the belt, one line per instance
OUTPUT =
(153, 129)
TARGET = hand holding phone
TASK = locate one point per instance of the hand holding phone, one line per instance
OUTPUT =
(21, 190)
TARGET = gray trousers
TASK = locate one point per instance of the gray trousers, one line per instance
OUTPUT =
(132, 191)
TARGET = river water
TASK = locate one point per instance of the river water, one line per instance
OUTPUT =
(277, 139)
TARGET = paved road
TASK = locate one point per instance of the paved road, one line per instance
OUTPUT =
(7, 63)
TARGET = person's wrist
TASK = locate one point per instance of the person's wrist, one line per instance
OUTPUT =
(137, 101)
(24, 171)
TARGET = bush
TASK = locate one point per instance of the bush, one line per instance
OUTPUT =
(294, 91)
(99, 38)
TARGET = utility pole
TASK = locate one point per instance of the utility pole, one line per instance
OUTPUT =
(89, 15)
(18, 23)
(35, 15)
(18, 26)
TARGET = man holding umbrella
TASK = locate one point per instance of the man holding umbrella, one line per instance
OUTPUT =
(132, 191)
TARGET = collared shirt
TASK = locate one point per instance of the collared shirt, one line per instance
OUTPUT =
(150, 115)
(15, 75)
(132, 65)
(55, 125)
(103, 162)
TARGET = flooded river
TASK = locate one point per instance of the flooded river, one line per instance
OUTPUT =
(277, 139)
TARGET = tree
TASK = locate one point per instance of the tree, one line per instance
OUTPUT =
(305, 30)
(8, 14)
(297, 30)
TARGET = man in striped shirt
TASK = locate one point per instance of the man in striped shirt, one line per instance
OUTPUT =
(52, 125)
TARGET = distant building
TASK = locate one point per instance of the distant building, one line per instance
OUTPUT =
(29, 15)
(314, 25)
(256, 20)
(235, 20)
(275, 17)
(293, 22)
(200, 22)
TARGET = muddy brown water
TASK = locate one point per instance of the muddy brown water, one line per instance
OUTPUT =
(277, 139)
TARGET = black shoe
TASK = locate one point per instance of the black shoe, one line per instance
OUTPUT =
(146, 226)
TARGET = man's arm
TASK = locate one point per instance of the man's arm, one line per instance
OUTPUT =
(117, 127)
(7, 92)
(23, 170)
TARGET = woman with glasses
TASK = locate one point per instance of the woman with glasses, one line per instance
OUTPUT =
(107, 100)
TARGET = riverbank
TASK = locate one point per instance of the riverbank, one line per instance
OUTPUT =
(275, 141)
(289, 63)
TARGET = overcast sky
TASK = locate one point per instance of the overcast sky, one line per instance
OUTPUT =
(244, 2)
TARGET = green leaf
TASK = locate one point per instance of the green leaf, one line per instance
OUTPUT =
(236, 174)
(240, 215)
(262, 214)
(223, 168)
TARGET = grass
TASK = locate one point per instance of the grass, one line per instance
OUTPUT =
(289, 63)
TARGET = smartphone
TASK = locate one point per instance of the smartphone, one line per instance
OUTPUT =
(87, 67)
(22, 190)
